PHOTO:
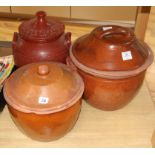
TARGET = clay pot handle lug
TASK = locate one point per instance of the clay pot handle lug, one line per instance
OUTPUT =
(15, 37)
(70, 64)
(14, 41)
(109, 30)
(68, 39)
(113, 30)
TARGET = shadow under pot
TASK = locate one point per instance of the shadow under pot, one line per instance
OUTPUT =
(112, 63)
(44, 99)
(40, 39)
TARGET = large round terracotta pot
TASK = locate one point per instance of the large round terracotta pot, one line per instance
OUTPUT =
(44, 99)
(40, 39)
(112, 63)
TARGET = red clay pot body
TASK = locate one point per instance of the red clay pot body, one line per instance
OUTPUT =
(47, 127)
(44, 99)
(110, 94)
(40, 39)
(112, 63)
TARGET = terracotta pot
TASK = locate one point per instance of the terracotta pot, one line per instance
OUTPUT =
(44, 99)
(112, 63)
(40, 39)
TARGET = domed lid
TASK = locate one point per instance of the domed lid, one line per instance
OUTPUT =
(40, 29)
(108, 49)
(43, 88)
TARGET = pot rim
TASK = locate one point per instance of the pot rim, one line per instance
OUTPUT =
(59, 108)
(115, 74)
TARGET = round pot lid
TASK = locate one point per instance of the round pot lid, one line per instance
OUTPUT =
(43, 88)
(111, 51)
(41, 29)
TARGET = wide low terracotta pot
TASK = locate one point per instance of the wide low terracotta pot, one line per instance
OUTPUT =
(112, 63)
(40, 39)
(44, 99)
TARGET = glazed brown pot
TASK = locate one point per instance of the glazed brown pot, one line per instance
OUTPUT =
(112, 63)
(44, 99)
(40, 39)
